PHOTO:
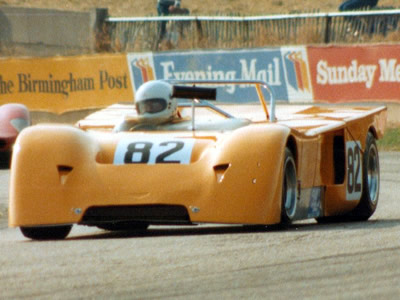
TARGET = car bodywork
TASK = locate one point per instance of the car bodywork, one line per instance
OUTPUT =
(13, 118)
(281, 164)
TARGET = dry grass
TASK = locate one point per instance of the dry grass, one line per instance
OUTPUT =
(119, 8)
(391, 140)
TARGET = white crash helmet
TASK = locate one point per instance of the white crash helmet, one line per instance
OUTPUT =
(154, 102)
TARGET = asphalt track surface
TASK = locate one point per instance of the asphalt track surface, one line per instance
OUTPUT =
(306, 261)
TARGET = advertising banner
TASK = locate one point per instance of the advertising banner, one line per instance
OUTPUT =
(297, 74)
(259, 64)
(355, 73)
(60, 84)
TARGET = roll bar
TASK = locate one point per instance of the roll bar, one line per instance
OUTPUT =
(210, 93)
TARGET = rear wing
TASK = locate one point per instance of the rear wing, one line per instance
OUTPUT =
(193, 92)
(182, 90)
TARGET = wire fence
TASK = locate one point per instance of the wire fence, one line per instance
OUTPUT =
(201, 32)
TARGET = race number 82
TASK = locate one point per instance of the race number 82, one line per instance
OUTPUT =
(354, 170)
(154, 150)
(139, 152)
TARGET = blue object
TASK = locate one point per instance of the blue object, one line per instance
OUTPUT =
(357, 4)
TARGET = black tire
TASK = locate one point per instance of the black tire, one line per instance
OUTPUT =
(370, 192)
(123, 226)
(371, 182)
(46, 232)
(289, 188)
(5, 160)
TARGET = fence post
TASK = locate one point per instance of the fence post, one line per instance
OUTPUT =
(199, 33)
(101, 31)
(328, 29)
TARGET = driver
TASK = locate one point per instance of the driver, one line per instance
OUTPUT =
(154, 105)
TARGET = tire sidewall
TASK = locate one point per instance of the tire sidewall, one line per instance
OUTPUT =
(367, 205)
(289, 159)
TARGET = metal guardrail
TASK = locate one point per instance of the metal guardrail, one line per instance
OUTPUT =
(188, 32)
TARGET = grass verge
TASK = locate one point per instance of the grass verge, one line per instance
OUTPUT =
(391, 140)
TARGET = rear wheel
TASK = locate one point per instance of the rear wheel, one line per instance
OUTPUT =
(289, 189)
(46, 232)
(370, 191)
(371, 182)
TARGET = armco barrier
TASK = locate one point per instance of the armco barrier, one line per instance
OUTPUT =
(295, 74)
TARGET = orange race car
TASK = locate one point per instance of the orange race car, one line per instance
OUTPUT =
(179, 157)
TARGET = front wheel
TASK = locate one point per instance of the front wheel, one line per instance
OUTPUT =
(5, 160)
(289, 189)
(46, 232)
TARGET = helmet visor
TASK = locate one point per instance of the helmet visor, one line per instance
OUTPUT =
(151, 106)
